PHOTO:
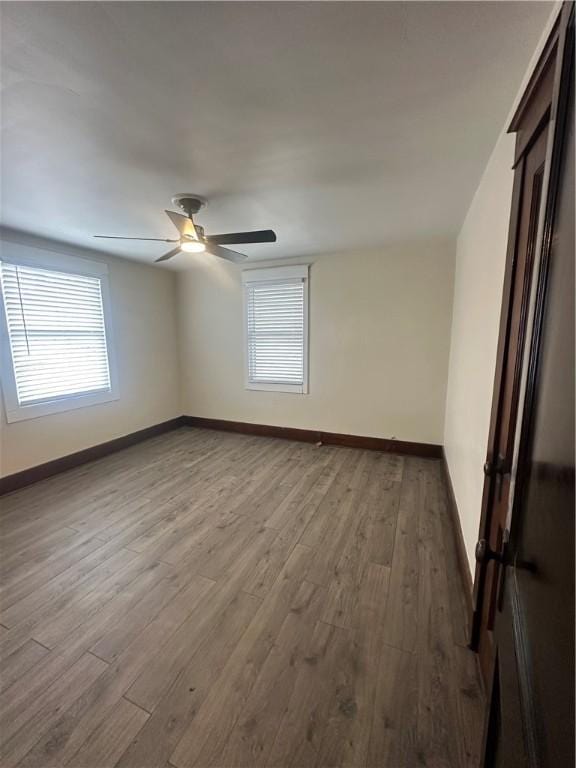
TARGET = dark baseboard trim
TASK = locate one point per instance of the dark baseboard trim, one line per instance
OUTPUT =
(463, 564)
(42, 471)
(425, 450)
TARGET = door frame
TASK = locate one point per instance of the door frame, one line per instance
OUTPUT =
(544, 100)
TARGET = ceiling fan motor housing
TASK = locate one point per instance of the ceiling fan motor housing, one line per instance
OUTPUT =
(188, 203)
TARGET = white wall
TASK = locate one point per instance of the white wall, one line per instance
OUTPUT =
(479, 277)
(144, 317)
(379, 341)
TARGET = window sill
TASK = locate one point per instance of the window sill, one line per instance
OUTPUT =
(299, 389)
(37, 410)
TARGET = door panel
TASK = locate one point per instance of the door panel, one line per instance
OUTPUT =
(544, 530)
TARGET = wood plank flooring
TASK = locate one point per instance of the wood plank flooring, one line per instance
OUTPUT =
(212, 599)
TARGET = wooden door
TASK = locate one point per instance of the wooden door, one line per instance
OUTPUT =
(531, 719)
(534, 125)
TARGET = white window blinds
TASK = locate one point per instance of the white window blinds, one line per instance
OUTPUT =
(57, 333)
(276, 333)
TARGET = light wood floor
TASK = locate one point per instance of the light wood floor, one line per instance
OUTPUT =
(211, 599)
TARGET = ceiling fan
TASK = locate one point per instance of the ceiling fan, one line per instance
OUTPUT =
(192, 238)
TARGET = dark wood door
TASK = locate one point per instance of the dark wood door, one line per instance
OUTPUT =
(531, 716)
(535, 125)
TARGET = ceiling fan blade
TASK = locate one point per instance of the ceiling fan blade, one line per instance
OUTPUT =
(259, 236)
(169, 255)
(183, 224)
(224, 253)
(155, 239)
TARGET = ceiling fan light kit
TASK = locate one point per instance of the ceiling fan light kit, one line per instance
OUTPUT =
(193, 246)
(192, 238)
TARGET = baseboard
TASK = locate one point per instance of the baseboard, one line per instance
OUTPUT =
(463, 563)
(42, 471)
(425, 450)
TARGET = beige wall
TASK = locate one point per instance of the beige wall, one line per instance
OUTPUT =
(379, 340)
(480, 261)
(379, 332)
(144, 313)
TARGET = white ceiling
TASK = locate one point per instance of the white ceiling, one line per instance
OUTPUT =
(336, 124)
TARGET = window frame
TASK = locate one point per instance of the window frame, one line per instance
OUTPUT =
(277, 275)
(24, 256)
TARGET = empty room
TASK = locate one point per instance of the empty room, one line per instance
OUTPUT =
(287, 364)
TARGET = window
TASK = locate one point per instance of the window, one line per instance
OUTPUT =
(55, 351)
(276, 325)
